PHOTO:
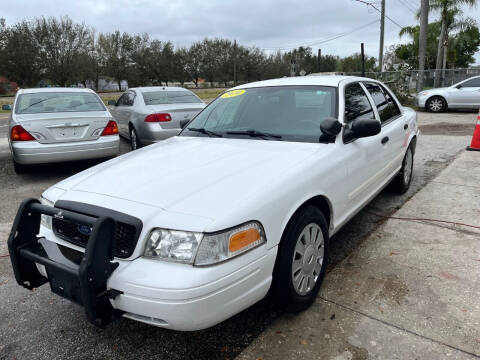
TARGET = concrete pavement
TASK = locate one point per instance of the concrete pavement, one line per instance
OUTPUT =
(409, 291)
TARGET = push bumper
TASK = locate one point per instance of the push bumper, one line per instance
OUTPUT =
(85, 284)
(33, 152)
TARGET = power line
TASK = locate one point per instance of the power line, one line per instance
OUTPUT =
(320, 41)
(406, 5)
(378, 10)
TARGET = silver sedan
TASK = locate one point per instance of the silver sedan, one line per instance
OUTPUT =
(60, 124)
(149, 114)
(464, 95)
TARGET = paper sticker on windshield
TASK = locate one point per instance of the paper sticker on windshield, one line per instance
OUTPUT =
(233, 93)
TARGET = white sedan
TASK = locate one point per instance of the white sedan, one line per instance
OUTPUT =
(464, 95)
(185, 233)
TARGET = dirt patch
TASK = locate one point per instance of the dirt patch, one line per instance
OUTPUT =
(448, 129)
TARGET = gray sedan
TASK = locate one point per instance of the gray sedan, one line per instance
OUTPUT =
(464, 95)
(60, 124)
(149, 114)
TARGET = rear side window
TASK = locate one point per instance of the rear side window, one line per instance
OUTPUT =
(52, 102)
(472, 83)
(357, 105)
(387, 108)
(126, 99)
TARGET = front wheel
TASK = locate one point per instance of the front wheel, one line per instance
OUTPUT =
(301, 261)
(436, 104)
(401, 183)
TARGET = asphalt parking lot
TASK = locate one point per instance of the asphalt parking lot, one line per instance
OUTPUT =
(40, 325)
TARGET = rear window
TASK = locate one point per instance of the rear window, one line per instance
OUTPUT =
(50, 102)
(162, 97)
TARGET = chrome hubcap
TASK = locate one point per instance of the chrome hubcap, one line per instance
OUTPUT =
(436, 105)
(307, 259)
(133, 139)
(407, 168)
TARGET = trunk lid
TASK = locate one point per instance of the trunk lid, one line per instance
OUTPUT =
(178, 112)
(49, 128)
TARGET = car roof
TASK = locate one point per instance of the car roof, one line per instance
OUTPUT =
(159, 88)
(54, 90)
(311, 80)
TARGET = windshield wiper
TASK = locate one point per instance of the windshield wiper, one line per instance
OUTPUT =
(205, 131)
(254, 133)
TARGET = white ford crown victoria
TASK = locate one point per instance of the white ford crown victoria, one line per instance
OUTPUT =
(185, 233)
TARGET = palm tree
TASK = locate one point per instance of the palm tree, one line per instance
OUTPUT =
(445, 7)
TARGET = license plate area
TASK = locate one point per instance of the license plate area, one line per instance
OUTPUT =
(68, 132)
(65, 284)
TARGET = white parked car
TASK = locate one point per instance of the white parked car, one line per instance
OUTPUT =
(60, 124)
(463, 95)
(185, 233)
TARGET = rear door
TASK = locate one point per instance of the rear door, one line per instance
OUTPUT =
(393, 128)
(123, 111)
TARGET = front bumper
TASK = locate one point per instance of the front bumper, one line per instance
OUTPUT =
(33, 152)
(174, 296)
(420, 100)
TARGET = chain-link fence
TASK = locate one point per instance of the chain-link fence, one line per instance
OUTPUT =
(409, 78)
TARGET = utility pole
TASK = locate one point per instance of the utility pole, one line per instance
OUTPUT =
(235, 63)
(382, 35)
(319, 60)
(363, 59)
(422, 43)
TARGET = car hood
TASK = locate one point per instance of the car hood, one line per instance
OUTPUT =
(194, 175)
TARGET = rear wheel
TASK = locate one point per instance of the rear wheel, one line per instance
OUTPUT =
(301, 261)
(134, 140)
(19, 168)
(436, 104)
(401, 183)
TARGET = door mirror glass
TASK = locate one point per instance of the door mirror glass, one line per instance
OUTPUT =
(331, 126)
(112, 102)
(362, 128)
(7, 107)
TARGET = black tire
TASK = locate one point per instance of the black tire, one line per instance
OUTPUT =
(401, 183)
(436, 104)
(19, 168)
(134, 140)
(284, 291)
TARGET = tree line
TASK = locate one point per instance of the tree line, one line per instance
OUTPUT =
(58, 51)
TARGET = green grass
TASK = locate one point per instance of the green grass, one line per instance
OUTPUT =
(208, 94)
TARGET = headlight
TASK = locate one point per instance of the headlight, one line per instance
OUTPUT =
(203, 249)
(46, 220)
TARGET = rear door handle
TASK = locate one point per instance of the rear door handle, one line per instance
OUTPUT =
(385, 140)
(405, 127)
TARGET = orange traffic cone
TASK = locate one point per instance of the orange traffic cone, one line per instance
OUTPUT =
(475, 146)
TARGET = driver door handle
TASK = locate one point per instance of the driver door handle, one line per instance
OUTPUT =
(385, 140)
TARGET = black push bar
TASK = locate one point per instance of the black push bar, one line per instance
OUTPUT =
(85, 284)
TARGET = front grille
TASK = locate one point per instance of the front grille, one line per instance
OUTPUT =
(127, 228)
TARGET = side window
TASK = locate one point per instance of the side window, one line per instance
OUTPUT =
(130, 98)
(472, 83)
(357, 105)
(387, 108)
(122, 100)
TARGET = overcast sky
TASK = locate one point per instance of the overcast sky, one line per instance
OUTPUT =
(268, 24)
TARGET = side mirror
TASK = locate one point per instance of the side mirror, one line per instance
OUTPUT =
(331, 126)
(362, 128)
(184, 123)
(7, 107)
(111, 102)
(459, 86)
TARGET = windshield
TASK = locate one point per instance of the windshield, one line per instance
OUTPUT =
(50, 102)
(287, 113)
(162, 97)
